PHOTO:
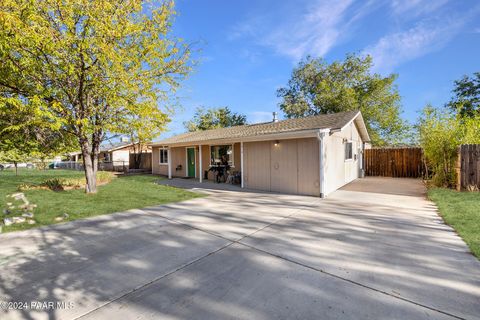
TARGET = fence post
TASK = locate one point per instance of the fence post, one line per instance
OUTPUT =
(458, 168)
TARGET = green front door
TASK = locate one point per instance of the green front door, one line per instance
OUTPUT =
(191, 162)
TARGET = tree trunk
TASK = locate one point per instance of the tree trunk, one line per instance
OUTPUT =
(90, 175)
(137, 159)
(137, 154)
(90, 168)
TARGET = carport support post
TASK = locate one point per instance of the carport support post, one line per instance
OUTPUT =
(200, 163)
(241, 163)
(322, 133)
(169, 155)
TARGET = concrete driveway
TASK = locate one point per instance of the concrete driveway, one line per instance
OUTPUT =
(374, 250)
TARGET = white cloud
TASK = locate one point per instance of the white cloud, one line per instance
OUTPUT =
(396, 48)
(315, 29)
(416, 7)
(316, 32)
(412, 29)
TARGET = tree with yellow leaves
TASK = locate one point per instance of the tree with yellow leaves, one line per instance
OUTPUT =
(86, 67)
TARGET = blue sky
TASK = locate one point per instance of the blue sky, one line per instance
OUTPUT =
(247, 49)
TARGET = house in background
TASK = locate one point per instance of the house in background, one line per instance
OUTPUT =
(311, 156)
(117, 156)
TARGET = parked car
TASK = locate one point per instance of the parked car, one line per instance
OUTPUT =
(53, 165)
(6, 166)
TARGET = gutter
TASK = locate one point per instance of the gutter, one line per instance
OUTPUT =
(321, 134)
(307, 133)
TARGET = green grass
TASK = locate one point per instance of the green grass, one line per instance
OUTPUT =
(120, 194)
(461, 210)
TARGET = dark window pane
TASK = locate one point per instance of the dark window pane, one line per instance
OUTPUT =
(348, 150)
(163, 156)
(217, 153)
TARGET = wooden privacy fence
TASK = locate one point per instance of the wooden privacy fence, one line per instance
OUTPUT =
(394, 162)
(468, 167)
(145, 161)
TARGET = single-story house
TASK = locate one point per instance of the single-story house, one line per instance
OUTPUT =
(311, 156)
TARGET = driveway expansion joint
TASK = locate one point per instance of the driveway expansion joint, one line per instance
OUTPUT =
(231, 242)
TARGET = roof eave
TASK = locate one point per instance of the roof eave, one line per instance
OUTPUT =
(360, 122)
(308, 133)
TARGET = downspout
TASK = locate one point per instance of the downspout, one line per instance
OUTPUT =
(362, 159)
(321, 134)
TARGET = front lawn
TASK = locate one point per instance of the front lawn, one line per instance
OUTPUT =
(461, 210)
(122, 193)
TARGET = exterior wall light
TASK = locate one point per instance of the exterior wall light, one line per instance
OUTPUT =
(277, 143)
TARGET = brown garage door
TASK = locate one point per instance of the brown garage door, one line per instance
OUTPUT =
(289, 166)
(284, 166)
(257, 165)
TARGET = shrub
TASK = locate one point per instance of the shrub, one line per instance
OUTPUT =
(441, 133)
(41, 165)
(54, 184)
(59, 184)
(104, 176)
(26, 187)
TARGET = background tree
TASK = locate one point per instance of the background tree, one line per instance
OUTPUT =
(212, 118)
(317, 87)
(24, 135)
(443, 130)
(89, 64)
(440, 135)
(14, 152)
(467, 96)
(141, 131)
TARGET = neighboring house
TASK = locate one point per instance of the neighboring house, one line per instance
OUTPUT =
(118, 154)
(312, 155)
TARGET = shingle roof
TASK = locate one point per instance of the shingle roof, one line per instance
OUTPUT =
(326, 121)
(107, 147)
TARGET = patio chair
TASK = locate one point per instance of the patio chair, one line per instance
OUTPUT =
(234, 177)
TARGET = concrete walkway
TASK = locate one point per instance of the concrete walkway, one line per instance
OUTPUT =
(367, 252)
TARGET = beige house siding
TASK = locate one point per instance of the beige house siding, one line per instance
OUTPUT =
(291, 166)
(236, 157)
(206, 161)
(178, 157)
(120, 155)
(284, 166)
(257, 165)
(158, 168)
(308, 167)
(339, 171)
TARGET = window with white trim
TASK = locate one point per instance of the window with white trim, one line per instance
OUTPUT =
(349, 150)
(163, 157)
(218, 153)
